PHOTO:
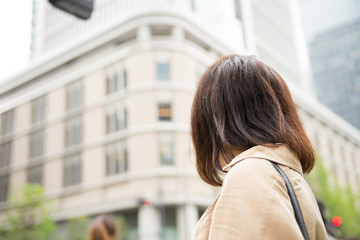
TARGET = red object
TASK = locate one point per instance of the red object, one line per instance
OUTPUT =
(337, 221)
(147, 202)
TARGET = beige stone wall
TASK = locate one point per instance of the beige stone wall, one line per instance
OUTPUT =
(138, 114)
(22, 116)
(17, 180)
(20, 150)
(184, 159)
(182, 102)
(53, 175)
(143, 154)
(94, 86)
(56, 103)
(94, 124)
(54, 138)
(141, 68)
(94, 165)
(183, 68)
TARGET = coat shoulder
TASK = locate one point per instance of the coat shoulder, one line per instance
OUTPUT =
(251, 171)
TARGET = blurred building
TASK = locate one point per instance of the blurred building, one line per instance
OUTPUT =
(335, 58)
(243, 25)
(334, 52)
(101, 115)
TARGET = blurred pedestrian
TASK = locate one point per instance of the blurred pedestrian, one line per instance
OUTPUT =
(249, 139)
(103, 227)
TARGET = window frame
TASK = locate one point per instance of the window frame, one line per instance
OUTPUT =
(166, 148)
(35, 174)
(4, 187)
(116, 158)
(38, 109)
(74, 94)
(73, 131)
(7, 122)
(163, 73)
(72, 169)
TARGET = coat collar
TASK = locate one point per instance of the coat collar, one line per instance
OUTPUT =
(280, 154)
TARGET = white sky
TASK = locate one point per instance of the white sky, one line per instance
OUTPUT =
(15, 29)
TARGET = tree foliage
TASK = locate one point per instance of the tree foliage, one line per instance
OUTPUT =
(76, 228)
(338, 201)
(28, 217)
(123, 227)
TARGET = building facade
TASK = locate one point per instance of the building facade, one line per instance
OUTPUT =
(246, 26)
(336, 72)
(103, 122)
(333, 49)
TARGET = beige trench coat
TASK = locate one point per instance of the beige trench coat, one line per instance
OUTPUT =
(254, 203)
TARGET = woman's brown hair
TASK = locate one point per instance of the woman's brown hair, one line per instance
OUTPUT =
(241, 103)
(103, 228)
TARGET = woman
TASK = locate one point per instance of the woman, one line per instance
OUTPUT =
(243, 118)
(103, 228)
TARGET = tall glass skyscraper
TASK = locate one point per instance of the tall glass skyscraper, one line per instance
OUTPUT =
(334, 52)
(335, 58)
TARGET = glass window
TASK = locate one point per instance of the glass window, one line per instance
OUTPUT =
(38, 109)
(164, 110)
(116, 117)
(35, 175)
(7, 122)
(166, 149)
(4, 188)
(116, 79)
(74, 94)
(169, 218)
(116, 159)
(163, 71)
(37, 144)
(72, 170)
(164, 106)
(111, 82)
(5, 154)
(73, 131)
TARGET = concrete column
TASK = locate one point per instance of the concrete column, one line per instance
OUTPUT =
(149, 223)
(303, 65)
(187, 217)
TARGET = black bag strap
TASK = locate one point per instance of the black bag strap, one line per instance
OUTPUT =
(294, 202)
